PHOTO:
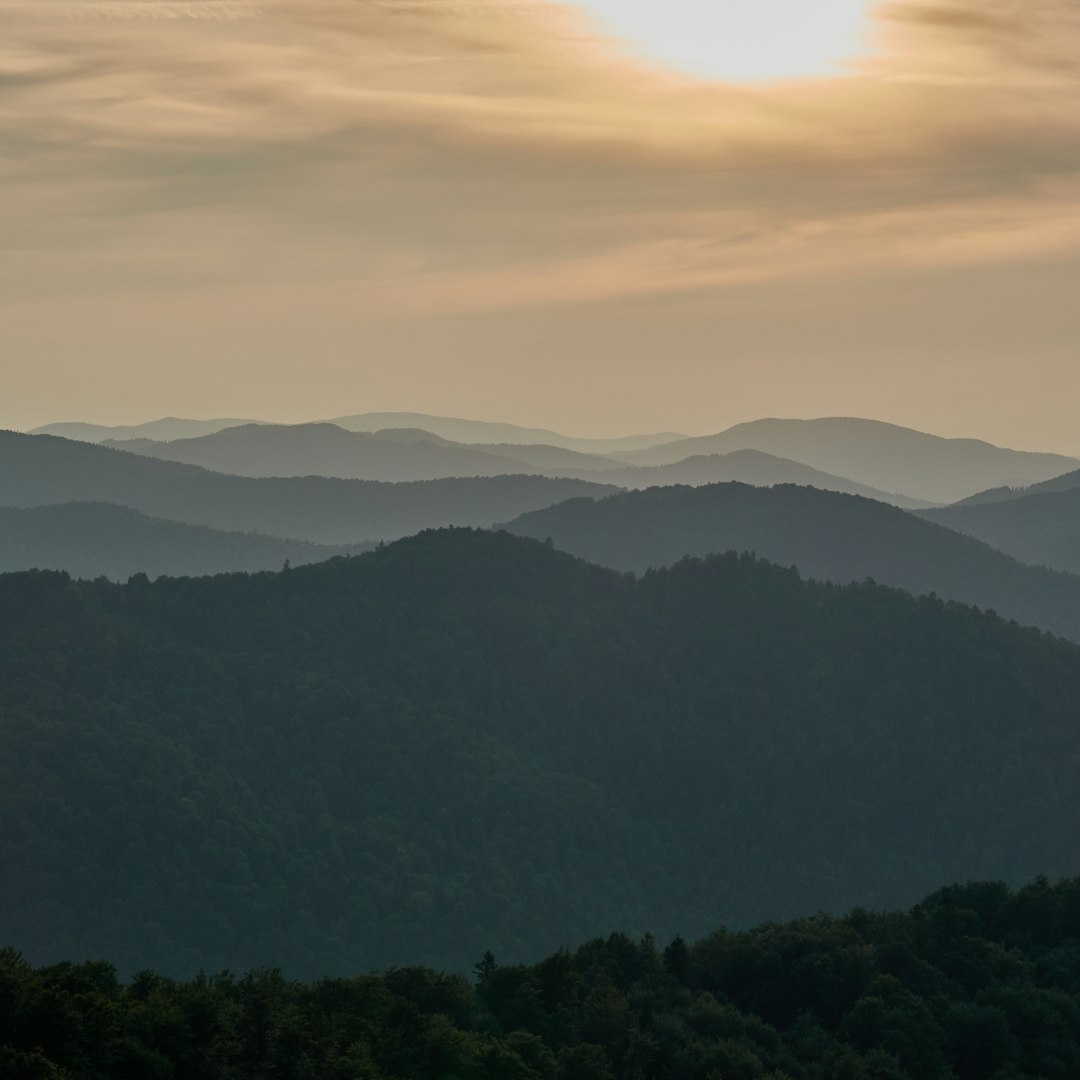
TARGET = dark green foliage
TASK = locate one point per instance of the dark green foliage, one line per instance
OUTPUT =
(93, 539)
(817, 999)
(827, 535)
(468, 740)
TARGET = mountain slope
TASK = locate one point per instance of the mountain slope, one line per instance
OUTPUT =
(41, 469)
(468, 740)
(92, 539)
(1042, 528)
(829, 536)
(881, 455)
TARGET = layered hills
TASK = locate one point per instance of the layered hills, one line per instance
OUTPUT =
(448, 427)
(827, 535)
(93, 539)
(38, 470)
(469, 740)
(877, 454)
(407, 454)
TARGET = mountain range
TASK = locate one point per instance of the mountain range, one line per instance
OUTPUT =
(406, 454)
(38, 470)
(448, 427)
(1040, 525)
(468, 740)
(880, 455)
(827, 535)
(907, 467)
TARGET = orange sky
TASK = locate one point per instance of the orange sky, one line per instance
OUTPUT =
(302, 208)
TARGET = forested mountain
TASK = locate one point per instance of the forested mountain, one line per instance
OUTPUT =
(828, 536)
(974, 983)
(1041, 527)
(880, 455)
(169, 427)
(746, 467)
(41, 469)
(91, 539)
(326, 450)
(468, 740)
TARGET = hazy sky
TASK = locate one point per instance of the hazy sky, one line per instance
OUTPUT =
(497, 208)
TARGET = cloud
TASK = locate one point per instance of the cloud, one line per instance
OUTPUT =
(429, 155)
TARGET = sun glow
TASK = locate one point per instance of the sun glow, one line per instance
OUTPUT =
(740, 40)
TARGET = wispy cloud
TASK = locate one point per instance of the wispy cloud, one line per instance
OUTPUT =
(498, 153)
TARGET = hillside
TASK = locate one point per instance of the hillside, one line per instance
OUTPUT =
(1041, 527)
(828, 536)
(92, 539)
(975, 982)
(41, 469)
(467, 740)
(880, 455)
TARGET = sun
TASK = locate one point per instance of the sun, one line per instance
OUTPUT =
(740, 40)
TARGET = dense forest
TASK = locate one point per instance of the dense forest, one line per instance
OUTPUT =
(93, 539)
(468, 740)
(827, 535)
(974, 983)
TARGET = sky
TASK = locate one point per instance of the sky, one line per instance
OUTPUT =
(605, 217)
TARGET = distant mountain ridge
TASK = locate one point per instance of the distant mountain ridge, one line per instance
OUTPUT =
(37, 470)
(168, 427)
(89, 540)
(452, 428)
(827, 535)
(406, 454)
(269, 450)
(874, 453)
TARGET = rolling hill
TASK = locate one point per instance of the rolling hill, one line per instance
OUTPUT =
(93, 539)
(829, 536)
(38, 470)
(880, 455)
(468, 741)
